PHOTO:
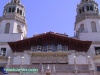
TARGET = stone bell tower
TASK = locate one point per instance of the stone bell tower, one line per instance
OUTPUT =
(87, 24)
(13, 25)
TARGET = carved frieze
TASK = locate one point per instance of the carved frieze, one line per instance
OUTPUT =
(49, 57)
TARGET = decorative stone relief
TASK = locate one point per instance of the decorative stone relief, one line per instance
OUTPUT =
(52, 57)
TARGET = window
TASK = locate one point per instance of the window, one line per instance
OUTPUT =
(3, 52)
(87, 8)
(18, 1)
(93, 26)
(81, 27)
(19, 29)
(80, 11)
(14, 1)
(97, 50)
(38, 48)
(34, 48)
(49, 47)
(20, 12)
(7, 28)
(44, 48)
(91, 8)
(59, 47)
(53, 47)
(65, 48)
(83, 9)
(17, 10)
(13, 9)
(98, 68)
(96, 9)
(10, 9)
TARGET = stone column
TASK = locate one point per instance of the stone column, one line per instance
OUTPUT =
(75, 65)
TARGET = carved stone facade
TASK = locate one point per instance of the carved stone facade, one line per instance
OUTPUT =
(50, 53)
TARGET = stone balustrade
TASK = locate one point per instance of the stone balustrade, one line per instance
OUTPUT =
(54, 67)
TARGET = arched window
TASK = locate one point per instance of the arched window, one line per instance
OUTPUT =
(82, 9)
(96, 9)
(38, 48)
(20, 12)
(81, 27)
(91, 8)
(14, 1)
(59, 47)
(18, 1)
(19, 29)
(10, 9)
(49, 47)
(17, 10)
(93, 26)
(13, 9)
(87, 8)
(7, 28)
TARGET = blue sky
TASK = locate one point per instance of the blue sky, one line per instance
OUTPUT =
(49, 15)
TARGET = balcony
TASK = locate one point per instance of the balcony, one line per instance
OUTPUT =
(49, 48)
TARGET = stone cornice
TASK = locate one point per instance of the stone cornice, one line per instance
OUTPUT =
(82, 3)
(14, 4)
(14, 17)
(84, 16)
